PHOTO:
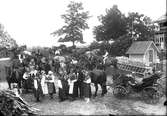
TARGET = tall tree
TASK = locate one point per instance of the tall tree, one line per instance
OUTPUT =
(113, 25)
(75, 22)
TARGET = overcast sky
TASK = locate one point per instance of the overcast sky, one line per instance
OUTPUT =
(30, 22)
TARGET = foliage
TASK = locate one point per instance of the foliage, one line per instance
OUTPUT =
(123, 30)
(113, 25)
(120, 46)
(5, 39)
(140, 27)
(94, 45)
(75, 22)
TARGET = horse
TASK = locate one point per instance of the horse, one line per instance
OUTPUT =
(99, 77)
(13, 76)
(8, 72)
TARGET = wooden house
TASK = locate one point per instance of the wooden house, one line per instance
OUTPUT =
(144, 51)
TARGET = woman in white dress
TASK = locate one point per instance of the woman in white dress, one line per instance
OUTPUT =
(72, 79)
(43, 83)
(50, 79)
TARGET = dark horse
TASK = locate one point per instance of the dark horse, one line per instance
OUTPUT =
(13, 76)
(99, 77)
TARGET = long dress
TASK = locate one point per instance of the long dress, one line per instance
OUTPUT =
(44, 85)
(87, 88)
(50, 84)
(37, 88)
(26, 77)
(63, 88)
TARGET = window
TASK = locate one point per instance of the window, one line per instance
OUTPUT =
(150, 55)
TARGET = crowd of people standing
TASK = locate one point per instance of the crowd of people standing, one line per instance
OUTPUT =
(48, 77)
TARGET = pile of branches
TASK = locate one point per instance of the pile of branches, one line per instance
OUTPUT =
(13, 105)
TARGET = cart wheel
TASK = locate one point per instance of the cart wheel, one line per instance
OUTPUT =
(151, 95)
(159, 89)
(119, 92)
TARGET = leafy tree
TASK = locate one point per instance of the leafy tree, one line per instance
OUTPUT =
(5, 39)
(75, 22)
(140, 27)
(113, 25)
(120, 46)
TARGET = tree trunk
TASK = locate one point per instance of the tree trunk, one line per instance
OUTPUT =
(73, 43)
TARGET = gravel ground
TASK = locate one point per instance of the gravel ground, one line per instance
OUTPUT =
(99, 106)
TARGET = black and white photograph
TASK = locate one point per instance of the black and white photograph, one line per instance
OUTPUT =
(83, 57)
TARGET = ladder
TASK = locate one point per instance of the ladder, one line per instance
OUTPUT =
(132, 68)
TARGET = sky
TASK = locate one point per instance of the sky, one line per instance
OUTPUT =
(30, 22)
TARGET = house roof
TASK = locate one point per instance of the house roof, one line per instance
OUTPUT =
(161, 19)
(140, 47)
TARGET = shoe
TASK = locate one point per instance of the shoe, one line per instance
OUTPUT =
(61, 100)
(87, 100)
(165, 103)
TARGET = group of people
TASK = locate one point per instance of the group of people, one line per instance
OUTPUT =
(47, 75)
(43, 77)
(70, 85)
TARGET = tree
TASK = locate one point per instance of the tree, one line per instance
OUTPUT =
(140, 27)
(113, 25)
(5, 39)
(120, 46)
(75, 22)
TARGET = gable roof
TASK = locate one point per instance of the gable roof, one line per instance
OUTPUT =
(140, 47)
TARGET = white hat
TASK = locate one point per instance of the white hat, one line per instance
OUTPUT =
(50, 72)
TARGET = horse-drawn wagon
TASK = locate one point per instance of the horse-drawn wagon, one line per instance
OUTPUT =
(135, 77)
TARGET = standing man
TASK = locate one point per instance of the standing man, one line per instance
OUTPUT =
(105, 56)
(78, 85)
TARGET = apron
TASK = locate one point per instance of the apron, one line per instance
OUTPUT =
(44, 85)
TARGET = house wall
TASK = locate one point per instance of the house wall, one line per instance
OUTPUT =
(145, 57)
(155, 55)
(137, 57)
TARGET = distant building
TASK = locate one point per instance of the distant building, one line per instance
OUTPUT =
(144, 51)
(161, 34)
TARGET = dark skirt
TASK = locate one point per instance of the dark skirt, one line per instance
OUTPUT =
(51, 88)
(63, 92)
(87, 90)
(38, 92)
